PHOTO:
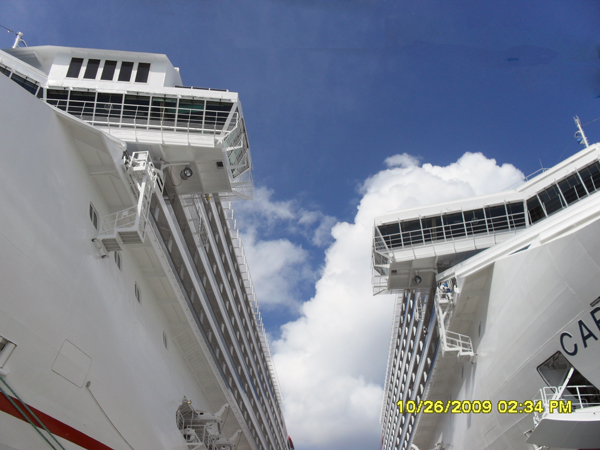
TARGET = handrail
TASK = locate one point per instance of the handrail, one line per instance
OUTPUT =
(580, 396)
(449, 232)
(149, 117)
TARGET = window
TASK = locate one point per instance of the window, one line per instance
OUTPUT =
(92, 69)
(118, 259)
(74, 68)
(94, 216)
(125, 72)
(108, 72)
(142, 73)
(138, 293)
(26, 84)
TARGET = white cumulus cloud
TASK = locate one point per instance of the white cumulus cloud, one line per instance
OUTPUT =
(331, 360)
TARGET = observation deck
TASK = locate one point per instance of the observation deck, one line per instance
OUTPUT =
(411, 247)
(140, 99)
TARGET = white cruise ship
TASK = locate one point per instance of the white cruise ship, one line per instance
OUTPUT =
(128, 319)
(496, 337)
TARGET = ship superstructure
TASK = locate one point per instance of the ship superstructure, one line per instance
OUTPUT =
(497, 302)
(128, 316)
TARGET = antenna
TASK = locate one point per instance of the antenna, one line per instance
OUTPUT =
(579, 135)
(18, 40)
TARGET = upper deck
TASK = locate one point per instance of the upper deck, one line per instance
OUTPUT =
(411, 247)
(140, 99)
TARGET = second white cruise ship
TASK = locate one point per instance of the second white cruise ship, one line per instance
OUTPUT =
(496, 337)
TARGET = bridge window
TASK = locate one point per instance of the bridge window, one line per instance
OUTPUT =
(454, 225)
(551, 199)
(591, 177)
(432, 228)
(475, 221)
(572, 189)
(496, 218)
(411, 232)
(535, 210)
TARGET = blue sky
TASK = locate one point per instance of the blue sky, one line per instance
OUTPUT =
(331, 89)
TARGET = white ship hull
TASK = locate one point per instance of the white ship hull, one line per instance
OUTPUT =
(108, 348)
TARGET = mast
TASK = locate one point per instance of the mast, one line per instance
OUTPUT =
(579, 135)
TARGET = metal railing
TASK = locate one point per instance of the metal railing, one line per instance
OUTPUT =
(149, 117)
(580, 396)
(465, 229)
(242, 262)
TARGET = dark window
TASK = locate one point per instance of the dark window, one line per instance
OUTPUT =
(591, 177)
(551, 199)
(432, 228)
(535, 210)
(572, 189)
(142, 73)
(81, 104)
(74, 68)
(496, 218)
(216, 115)
(391, 234)
(411, 232)
(125, 72)
(92, 69)
(58, 98)
(190, 113)
(475, 221)
(454, 225)
(108, 72)
(516, 215)
(5, 70)
(109, 107)
(163, 111)
(25, 83)
(135, 109)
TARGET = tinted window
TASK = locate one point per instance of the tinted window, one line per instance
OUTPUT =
(126, 69)
(391, 234)
(4, 70)
(74, 67)
(432, 228)
(24, 83)
(496, 218)
(411, 232)
(142, 73)
(591, 177)
(572, 189)
(535, 210)
(454, 225)
(92, 69)
(108, 73)
(475, 221)
(516, 214)
(551, 199)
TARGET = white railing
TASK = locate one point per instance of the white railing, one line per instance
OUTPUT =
(554, 399)
(148, 117)
(242, 262)
(451, 342)
(467, 229)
